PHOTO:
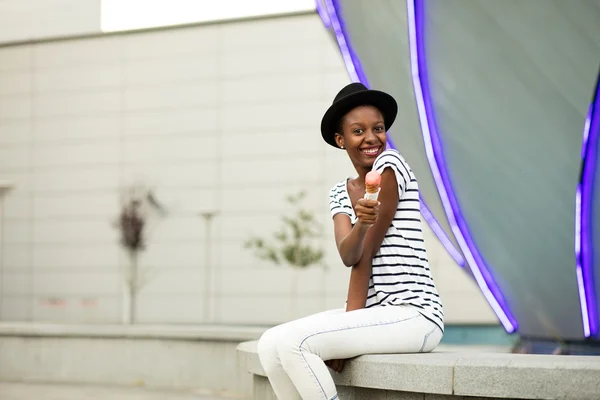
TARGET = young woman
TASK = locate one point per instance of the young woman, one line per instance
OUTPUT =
(392, 305)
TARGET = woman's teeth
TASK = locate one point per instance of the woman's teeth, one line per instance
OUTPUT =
(370, 152)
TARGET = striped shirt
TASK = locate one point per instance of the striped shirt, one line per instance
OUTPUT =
(401, 273)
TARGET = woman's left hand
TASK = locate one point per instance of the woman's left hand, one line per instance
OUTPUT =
(336, 365)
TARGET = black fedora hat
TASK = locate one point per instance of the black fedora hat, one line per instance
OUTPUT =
(352, 96)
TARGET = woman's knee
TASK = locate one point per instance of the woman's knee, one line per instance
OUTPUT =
(267, 346)
(294, 344)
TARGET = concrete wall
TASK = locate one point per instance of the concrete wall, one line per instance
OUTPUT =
(200, 358)
(22, 20)
(219, 118)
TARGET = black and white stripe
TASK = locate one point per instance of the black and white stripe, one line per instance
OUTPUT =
(401, 273)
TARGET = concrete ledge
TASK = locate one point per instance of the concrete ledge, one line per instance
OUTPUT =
(528, 376)
(202, 358)
(445, 374)
(185, 332)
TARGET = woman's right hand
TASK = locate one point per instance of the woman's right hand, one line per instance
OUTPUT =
(367, 211)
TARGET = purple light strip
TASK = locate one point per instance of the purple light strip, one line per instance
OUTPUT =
(586, 130)
(352, 62)
(357, 74)
(438, 168)
(323, 14)
(583, 217)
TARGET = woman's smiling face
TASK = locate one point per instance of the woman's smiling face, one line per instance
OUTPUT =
(362, 135)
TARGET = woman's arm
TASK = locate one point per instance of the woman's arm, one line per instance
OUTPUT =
(361, 272)
(350, 240)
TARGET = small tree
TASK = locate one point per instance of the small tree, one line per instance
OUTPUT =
(136, 204)
(293, 240)
(295, 244)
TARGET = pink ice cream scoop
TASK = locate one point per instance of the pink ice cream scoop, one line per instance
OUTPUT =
(372, 182)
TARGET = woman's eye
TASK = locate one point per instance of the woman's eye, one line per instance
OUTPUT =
(358, 131)
(379, 129)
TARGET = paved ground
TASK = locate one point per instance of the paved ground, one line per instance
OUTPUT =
(23, 391)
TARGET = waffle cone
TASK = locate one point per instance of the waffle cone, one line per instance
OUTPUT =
(372, 188)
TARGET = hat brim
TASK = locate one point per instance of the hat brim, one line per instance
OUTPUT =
(383, 101)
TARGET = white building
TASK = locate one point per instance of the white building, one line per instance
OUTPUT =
(217, 117)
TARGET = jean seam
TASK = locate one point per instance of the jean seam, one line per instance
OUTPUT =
(426, 338)
(338, 330)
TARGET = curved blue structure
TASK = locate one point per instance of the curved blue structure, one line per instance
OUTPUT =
(493, 98)
(586, 208)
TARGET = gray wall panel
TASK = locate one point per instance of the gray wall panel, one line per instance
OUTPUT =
(511, 82)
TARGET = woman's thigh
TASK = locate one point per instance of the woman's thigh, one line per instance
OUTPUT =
(377, 330)
(304, 323)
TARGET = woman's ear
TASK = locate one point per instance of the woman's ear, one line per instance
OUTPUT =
(339, 139)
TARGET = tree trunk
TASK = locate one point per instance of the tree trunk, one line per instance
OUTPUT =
(133, 285)
(126, 304)
(130, 285)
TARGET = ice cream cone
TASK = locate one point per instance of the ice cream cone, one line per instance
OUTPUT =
(372, 189)
(372, 183)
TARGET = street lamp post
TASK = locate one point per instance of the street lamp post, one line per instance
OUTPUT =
(208, 218)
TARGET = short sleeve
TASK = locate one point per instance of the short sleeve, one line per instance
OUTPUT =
(392, 159)
(336, 200)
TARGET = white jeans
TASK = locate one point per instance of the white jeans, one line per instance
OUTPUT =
(293, 354)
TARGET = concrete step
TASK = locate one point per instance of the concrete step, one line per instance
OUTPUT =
(34, 391)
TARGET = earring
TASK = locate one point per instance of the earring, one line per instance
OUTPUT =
(342, 147)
